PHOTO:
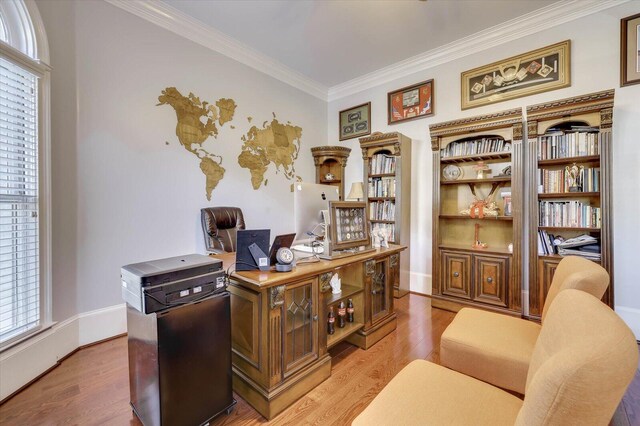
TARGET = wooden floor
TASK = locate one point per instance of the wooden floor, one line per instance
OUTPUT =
(91, 387)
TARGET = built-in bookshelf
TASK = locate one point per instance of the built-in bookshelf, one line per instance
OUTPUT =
(569, 149)
(330, 162)
(387, 179)
(477, 212)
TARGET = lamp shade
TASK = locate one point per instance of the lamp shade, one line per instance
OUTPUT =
(356, 191)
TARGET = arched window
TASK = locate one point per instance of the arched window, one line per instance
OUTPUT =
(24, 182)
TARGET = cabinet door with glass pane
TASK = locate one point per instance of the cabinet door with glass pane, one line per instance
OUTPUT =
(379, 288)
(300, 340)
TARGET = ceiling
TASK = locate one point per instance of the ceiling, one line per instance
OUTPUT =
(332, 42)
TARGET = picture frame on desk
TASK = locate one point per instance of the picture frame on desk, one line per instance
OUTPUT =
(537, 71)
(355, 122)
(411, 102)
(630, 50)
(349, 227)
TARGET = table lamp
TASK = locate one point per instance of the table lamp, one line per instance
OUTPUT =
(356, 191)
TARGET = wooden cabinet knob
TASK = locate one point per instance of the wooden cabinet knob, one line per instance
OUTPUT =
(315, 318)
(456, 274)
(489, 280)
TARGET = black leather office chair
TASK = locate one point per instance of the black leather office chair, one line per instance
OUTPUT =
(220, 227)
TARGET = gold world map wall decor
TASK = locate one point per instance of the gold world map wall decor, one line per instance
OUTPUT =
(533, 72)
(272, 143)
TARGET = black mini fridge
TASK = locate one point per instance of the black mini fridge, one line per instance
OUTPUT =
(180, 362)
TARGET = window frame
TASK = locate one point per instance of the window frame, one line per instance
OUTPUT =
(29, 49)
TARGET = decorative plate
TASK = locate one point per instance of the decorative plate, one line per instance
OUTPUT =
(451, 172)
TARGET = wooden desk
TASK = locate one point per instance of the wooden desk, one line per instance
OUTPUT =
(279, 323)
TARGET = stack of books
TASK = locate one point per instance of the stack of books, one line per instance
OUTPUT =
(584, 246)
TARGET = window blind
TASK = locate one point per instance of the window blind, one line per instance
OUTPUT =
(19, 243)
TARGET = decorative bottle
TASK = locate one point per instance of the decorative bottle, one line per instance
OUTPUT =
(331, 321)
(342, 314)
(350, 310)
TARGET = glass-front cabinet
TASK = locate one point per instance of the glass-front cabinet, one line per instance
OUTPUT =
(300, 341)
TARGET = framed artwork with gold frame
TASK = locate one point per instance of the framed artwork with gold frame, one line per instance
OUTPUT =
(630, 50)
(411, 102)
(349, 226)
(541, 70)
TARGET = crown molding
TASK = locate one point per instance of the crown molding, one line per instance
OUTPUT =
(530, 23)
(173, 20)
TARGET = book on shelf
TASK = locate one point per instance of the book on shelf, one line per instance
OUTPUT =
(382, 164)
(558, 181)
(569, 214)
(381, 187)
(382, 210)
(474, 147)
(575, 143)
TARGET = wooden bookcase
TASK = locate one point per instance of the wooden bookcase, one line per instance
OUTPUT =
(331, 161)
(561, 134)
(387, 186)
(491, 277)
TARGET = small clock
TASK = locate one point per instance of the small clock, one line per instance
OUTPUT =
(451, 172)
(329, 176)
(284, 258)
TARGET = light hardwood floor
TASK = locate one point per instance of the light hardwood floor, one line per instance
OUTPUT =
(91, 387)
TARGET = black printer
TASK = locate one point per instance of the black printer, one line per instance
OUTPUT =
(160, 284)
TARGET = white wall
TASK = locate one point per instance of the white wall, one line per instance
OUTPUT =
(120, 194)
(594, 67)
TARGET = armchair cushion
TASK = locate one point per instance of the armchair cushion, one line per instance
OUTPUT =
(423, 393)
(492, 347)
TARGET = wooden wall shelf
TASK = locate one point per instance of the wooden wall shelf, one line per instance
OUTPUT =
(569, 160)
(333, 160)
(568, 194)
(474, 158)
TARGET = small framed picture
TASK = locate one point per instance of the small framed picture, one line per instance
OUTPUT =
(630, 50)
(355, 122)
(349, 227)
(411, 102)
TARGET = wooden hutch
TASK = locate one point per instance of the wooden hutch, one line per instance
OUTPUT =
(477, 256)
(568, 139)
(387, 186)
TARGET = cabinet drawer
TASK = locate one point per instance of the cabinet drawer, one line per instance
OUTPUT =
(456, 274)
(491, 277)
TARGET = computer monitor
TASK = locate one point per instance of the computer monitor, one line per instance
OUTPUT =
(309, 200)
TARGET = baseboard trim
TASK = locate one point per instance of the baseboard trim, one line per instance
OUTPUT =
(26, 362)
(420, 283)
(631, 316)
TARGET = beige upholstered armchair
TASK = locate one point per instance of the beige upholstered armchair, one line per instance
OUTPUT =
(496, 348)
(583, 361)
(220, 227)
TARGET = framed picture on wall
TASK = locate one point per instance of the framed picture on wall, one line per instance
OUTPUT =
(411, 102)
(630, 50)
(533, 72)
(355, 121)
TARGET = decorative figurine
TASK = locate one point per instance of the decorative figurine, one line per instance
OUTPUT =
(482, 170)
(336, 284)
(480, 208)
(477, 244)
(574, 177)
